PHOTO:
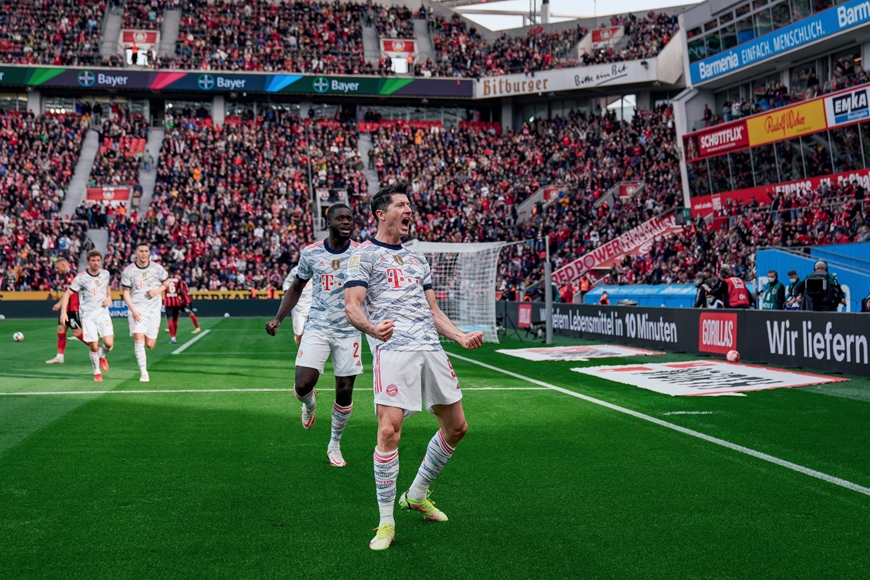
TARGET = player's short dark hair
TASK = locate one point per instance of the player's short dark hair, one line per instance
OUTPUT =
(383, 198)
(140, 244)
(95, 253)
(330, 213)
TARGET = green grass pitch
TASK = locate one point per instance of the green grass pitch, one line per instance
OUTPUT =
(227, 484)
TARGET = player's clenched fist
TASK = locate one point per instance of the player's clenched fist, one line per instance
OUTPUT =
(272, 327)
(472, 340)
(384, 330)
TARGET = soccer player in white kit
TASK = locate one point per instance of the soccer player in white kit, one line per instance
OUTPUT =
(95, 297)
(299, 313)
(143, 282)
(394, 285)
(327, 331)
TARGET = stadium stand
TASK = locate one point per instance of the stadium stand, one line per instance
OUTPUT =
(37, 161)
(395, 22)
(644, 38)
(122, 144)
(461, 51)
(145, 14)
(262, 36)
(52, 32)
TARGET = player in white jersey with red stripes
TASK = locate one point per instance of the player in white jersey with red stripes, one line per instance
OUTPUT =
(143, 283)
(299, 314)
(327, 331)
(95, 297)
(389, 296)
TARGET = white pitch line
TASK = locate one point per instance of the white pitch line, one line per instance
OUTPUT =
(147, 392)
(181, 348)
(172, 391)
(733, 446)
(689, 413)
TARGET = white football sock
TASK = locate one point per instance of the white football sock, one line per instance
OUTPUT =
(340, 415)
(95, 362)
(309, 401)
(386, 474)
(141, 357)
(437, 454)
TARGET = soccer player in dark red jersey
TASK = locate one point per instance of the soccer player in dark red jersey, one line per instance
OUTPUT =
(176, 300)
(61, 266)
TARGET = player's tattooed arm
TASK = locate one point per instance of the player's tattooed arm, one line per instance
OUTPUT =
(288, 303)
(447, 329)
(353, 299)
(64, 304)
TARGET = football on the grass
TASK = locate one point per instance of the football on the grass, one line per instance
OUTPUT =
(18, 336)
(732, 356)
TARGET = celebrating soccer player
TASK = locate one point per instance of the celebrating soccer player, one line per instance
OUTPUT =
(411, 368)
(94, 297)
(176, 300)
(327, 330)
(143, 282)
(62, 267)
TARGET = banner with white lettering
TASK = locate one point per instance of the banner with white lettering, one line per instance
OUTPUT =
(848, 107)
(109, 195)
(635, 241)
(704, 377)
(577, 353)
(568, 79)
(805, 31)
(704, 205)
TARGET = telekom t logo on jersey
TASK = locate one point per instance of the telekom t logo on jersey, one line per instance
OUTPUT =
(395, 277)
(327, 281)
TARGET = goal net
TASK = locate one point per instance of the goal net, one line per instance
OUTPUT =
(464, 278)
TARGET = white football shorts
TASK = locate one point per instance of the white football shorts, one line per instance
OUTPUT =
(408, 380)
(149, 324)
(300, 317)
(96, 326)
(345, 350)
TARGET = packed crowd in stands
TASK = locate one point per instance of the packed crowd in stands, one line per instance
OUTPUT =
(462, 51)
(395, 22)
(145, 14)
(122, 146)
(231, 208)
(467, 183)
(805, 85)
(829, 214)
(53, 32)
(644, 38)
(298, 36)
(37, 159)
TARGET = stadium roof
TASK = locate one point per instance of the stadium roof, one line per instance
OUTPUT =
(505, 14)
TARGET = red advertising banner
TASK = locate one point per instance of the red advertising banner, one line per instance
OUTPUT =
(138, 37)
(603, 36)
(551, 192)
(108, 194)
(632, 241)
(397, 45)
(716, 141)
(717, 332)
(706, 204)
(525, 315)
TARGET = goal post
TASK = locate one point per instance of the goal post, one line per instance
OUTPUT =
(464, 279)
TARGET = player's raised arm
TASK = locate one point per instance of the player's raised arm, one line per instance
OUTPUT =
(447, 329)
(288, 303)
